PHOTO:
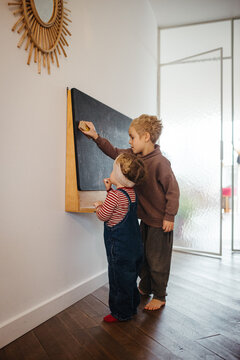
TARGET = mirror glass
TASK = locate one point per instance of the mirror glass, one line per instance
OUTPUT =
(44, 9)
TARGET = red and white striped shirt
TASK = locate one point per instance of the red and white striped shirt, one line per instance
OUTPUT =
(115, 207)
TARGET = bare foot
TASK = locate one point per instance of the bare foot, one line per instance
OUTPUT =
(154, 304)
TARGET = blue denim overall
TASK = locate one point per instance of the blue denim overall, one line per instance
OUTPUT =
(125, 255)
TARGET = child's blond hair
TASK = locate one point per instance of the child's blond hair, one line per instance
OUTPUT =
(148, 123)
(132, 167)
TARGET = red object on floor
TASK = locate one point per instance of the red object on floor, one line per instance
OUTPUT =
(110, 319)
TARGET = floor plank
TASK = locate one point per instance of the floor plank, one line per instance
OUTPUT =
(26, 347)
(222, 346)
(58, 342)
(81, 334)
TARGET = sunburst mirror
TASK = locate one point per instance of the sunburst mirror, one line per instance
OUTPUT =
(44, 28)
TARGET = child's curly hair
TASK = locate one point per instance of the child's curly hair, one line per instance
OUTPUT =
(148, 123)
(132, 167)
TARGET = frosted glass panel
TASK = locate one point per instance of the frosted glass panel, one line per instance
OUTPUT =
(236, 220)
(190, 107)
(184, 41)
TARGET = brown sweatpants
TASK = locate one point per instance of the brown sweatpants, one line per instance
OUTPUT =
(157, 260)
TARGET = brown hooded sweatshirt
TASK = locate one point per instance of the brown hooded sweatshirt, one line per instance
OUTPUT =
(158, 196)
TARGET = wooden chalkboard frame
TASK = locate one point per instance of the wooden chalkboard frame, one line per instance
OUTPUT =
(76, 201)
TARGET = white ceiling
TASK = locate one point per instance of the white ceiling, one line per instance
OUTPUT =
(178, 12)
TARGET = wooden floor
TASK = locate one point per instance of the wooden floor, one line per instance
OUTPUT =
(201, 320)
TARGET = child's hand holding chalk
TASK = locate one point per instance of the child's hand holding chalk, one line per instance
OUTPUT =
(83, 126)
(87, 128)
(107, 183)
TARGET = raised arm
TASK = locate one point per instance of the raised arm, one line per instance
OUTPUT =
(103, 143)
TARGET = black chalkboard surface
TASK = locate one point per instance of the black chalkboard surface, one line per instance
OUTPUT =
(92, 164)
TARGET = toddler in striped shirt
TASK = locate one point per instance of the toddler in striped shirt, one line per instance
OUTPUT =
(122, 236)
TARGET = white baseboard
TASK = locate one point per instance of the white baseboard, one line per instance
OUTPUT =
(24, 322)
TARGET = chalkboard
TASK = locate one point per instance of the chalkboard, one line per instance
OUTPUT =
(92, 165)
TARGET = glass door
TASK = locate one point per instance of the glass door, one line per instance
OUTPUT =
(236, 134)
(191, 97)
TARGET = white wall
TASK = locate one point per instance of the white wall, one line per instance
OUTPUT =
(49, 258)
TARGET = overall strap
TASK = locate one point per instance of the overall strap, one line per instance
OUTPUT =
(125, 192)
